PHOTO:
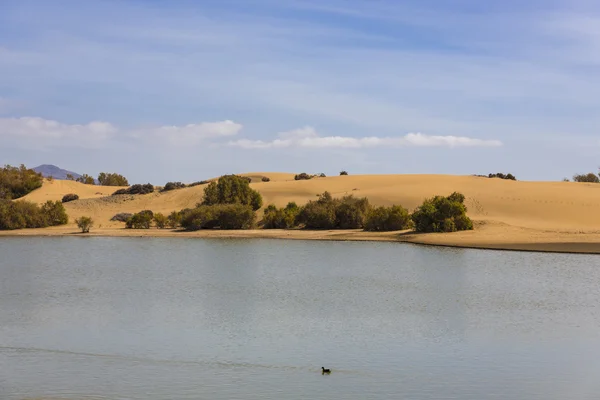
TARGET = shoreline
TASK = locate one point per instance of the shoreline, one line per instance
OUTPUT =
(486, 237)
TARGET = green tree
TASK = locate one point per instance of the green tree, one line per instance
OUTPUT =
(232, 189)
(283, 218)
(84, 223)
(70, 177)
(112, 179)
(86, 179)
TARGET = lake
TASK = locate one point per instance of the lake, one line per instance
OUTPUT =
(173, 318)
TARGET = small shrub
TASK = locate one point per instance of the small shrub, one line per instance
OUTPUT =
(121, 217)
(343, 173)
(265, 179)
(173, 186)
(322, 175)
(442, 214)
(160, 220)
(70, 197)
(395, 218)
(84, 223)
(302, 176)
(70, 177)
(136, 189)
(590, 178)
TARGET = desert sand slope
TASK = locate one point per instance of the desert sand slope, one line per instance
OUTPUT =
(505, 211)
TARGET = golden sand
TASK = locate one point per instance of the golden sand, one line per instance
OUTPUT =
(515, 215)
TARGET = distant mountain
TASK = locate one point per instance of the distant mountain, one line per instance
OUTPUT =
(48, 170)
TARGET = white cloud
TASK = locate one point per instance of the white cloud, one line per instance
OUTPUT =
(308, 137)
(41, 133)
(195, 133)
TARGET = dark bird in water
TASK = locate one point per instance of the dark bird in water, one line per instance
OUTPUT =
(325, 371)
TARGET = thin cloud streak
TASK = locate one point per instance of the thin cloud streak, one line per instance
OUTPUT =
(308, 137)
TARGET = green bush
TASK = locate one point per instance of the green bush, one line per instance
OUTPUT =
(343, 173)
(232, 189)
(302, 176)
(24, 214)
(160, 220)
(283, 218)
(16, 182)
(442, 214)
(265, 179)
(70, 197)
(223, 216)
(112, 179)
(141, 220)
(84, 223)
(590, 178)
(394, 218)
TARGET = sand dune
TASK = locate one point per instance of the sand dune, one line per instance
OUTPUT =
(508, 214)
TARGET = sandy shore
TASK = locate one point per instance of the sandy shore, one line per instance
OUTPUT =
(484, 237)
(509, 215)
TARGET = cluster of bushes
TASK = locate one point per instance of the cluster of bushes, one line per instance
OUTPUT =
(500, 175)
(136, 189)
(112, 179)
(24, 214)
(70, 197)
(590, 178)
(438, 214)
(173, 186)
(16, 182)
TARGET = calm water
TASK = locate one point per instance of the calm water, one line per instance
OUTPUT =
(127, 318)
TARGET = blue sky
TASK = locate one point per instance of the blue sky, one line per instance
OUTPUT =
(185, 90)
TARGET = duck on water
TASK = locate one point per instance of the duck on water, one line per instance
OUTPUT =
(325, 371)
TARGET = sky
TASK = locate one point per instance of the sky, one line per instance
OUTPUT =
(174, 90)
